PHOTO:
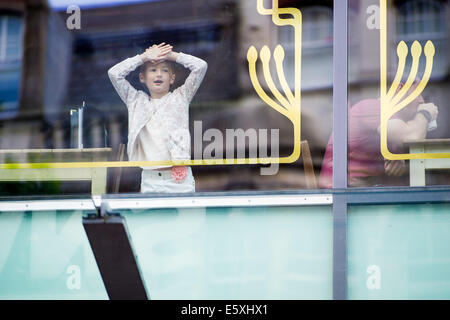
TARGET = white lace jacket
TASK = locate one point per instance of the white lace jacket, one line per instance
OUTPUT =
(167, 119)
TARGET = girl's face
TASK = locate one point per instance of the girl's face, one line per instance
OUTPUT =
(158, 78)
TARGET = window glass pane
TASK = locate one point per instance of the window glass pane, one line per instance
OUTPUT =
(46, 255)
(396, 91)
(256, 116)
(398, 252)
(234, 252)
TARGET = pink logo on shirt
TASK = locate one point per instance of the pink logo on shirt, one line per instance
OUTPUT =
(179, 173)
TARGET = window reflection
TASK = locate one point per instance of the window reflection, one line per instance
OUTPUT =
(424, 20)
(413, 21)
(71, 68)
(11, 30)
(317, 42)
(70, 71)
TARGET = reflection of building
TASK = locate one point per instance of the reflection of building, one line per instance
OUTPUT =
(10, 60)
(60, 68)
(35, 51)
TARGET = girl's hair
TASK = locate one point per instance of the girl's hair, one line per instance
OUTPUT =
(170, 64)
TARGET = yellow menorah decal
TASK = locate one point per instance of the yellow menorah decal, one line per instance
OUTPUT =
(289, 104)
(393, 101)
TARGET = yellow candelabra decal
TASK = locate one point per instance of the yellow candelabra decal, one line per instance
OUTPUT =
(288, 105)
(393, 101)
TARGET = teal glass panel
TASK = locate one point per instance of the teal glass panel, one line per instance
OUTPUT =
(234, 253)
(399, 251)
(46, 255)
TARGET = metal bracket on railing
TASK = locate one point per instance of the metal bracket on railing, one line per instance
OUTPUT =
(113, 251)
(97, 201)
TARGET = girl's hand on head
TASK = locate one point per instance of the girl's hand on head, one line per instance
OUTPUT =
(163, 57)
(169, 55)
(156, 53)
(167, 51)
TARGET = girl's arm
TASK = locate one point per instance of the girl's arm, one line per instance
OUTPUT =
(117, 76)
(198, 69)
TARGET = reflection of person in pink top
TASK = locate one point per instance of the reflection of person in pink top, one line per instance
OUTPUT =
(366, 165)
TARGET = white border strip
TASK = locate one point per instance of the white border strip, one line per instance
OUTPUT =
(220, 201)
(169, 202)
(47, 205)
